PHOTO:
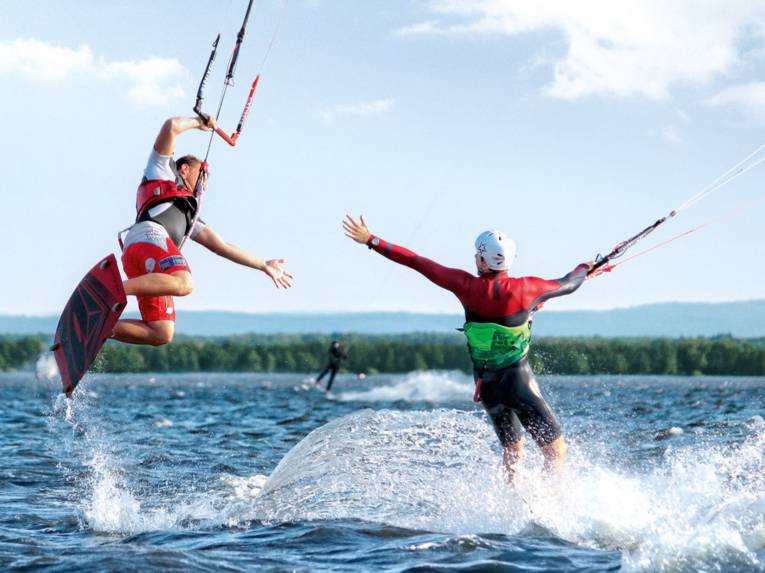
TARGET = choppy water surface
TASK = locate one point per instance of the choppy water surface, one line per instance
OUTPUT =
(394, 473)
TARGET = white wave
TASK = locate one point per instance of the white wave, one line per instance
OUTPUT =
(105, 497)
(46, 368)
(394, 467)
(111, 507)
(427, 386)
(246, 487)
(700, 508)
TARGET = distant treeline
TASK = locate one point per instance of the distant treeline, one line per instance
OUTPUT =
(370, 354)
(19, 351)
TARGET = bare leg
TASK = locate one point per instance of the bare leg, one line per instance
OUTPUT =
(555, 456)
(155, 333)
(512, 456)
(157, 284)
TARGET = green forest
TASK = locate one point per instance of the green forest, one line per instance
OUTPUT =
(308, 353)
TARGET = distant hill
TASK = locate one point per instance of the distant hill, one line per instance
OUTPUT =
(741, 319)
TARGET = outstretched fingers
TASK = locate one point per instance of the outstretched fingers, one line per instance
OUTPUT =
(280, 277)
(356, 231)
(349, 224)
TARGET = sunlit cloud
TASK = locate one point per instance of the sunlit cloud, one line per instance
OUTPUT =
(151, 81)
(670, 134)
(631, 48)
(429, 27)
(748, 98)
(364, 108)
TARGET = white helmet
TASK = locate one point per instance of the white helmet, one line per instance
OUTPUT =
(496, 249)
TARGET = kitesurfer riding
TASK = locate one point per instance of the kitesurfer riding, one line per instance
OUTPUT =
(337, 354)
(498, 310)
(167, 208)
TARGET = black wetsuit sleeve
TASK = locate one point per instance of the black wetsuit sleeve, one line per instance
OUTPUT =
(538, 291)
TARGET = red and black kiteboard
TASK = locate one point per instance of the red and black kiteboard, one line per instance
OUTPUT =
(87, 321)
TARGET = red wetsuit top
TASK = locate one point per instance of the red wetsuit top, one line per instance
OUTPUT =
(494, 297)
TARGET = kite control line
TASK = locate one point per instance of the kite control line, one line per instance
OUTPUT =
(603, 264)
(229, 80)
(199, 185)
(230, 139)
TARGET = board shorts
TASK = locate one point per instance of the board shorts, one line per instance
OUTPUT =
(149, 249)
(513, 401)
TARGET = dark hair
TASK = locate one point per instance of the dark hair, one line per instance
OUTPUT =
(189, 160)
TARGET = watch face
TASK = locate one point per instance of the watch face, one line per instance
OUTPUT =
(375, 241)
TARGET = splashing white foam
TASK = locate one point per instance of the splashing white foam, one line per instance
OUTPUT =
(699, 508)
(112, 507)
(106, 499)
(247, 488)
(46, 368)
(427, 386)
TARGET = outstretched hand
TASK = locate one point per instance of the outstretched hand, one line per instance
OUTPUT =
(359, 232)
(281, 277)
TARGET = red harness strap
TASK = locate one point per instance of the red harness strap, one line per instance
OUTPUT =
(477, 394)
(155, 191)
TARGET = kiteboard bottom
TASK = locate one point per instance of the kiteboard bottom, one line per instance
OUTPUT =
(88, 320)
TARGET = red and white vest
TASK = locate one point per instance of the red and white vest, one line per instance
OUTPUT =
(155, 191)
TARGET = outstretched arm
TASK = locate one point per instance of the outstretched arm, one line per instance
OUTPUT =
(173, 127)
(537, 291)
(215, 243)
(454, 280)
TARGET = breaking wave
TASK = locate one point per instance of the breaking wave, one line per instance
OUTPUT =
(439, 471)
(432, 386)
(698, 507)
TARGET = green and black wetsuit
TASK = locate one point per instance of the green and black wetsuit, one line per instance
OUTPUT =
(498, 311)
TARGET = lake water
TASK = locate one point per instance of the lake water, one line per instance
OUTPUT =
(224, 472)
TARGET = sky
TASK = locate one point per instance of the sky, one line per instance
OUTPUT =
(568, 125)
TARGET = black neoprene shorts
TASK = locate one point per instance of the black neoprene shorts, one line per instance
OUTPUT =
(513, 401)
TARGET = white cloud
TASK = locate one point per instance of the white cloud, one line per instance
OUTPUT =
(630, 48)
(41, 61)
(429, 27)
(152, 81)
(670, 134)
(372, 107)
(748, 98)
(683, 116)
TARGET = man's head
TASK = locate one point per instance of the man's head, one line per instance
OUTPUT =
(494, 251)
(188, 168)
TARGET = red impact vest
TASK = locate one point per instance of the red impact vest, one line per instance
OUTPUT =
(155, 191)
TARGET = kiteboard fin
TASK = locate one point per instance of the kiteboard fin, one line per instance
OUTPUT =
(87, 321)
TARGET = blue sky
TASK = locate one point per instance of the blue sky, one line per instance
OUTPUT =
(569, 125)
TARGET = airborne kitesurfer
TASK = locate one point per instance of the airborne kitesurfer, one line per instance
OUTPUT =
(337, 354)
(166, 214)
(498, 310)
